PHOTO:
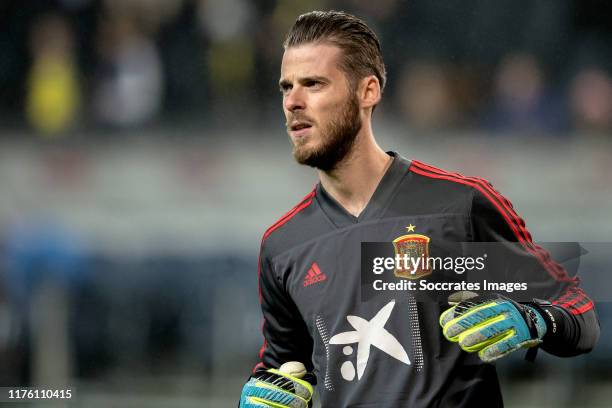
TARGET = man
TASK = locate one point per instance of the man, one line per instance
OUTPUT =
(391, 353)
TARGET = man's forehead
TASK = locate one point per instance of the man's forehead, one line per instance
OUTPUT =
(307, 59)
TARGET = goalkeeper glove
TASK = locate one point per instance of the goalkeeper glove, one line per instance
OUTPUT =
(273, 388)
(493, 326)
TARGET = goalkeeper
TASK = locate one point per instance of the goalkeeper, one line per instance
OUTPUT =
(381, 352)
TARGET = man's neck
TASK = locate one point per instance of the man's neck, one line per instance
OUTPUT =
(353, 182)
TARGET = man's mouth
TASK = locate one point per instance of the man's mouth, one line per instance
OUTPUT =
(299, 128)
(295, 126)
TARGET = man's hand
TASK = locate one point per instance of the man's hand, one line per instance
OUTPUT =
(274, 388)
(492, 325)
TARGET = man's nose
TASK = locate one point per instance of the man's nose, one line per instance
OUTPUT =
(294, 100)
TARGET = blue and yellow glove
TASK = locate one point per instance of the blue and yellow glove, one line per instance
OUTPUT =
(493, 326)
(273, 388)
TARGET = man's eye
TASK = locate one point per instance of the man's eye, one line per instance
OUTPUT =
(311, 84)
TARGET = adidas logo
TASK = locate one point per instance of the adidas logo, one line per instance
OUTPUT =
(314, 275)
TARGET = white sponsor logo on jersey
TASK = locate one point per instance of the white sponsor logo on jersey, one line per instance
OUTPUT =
(367, 334)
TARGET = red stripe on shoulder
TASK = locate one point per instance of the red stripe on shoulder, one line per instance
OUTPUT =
(305, 202)
(503, 205)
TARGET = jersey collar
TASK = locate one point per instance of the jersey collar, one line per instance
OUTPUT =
(377, 205)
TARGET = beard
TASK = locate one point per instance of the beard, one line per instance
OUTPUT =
(338, 138)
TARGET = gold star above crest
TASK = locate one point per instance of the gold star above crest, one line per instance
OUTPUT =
(410, 228)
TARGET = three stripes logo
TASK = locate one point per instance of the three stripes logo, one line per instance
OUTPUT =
(314, 275)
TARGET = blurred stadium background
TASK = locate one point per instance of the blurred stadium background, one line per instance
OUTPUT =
(143, 154)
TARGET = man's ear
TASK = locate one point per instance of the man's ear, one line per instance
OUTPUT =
(368, 91)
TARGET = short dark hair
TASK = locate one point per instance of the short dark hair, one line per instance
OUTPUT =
(359, 44)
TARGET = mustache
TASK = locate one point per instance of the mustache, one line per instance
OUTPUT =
(299, 118)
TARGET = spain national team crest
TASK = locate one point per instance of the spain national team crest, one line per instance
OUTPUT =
(416, 247)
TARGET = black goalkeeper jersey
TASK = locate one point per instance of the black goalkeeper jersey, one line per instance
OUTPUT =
(387, 352)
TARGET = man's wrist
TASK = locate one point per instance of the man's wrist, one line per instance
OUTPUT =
(537, 324)
(555, 319)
